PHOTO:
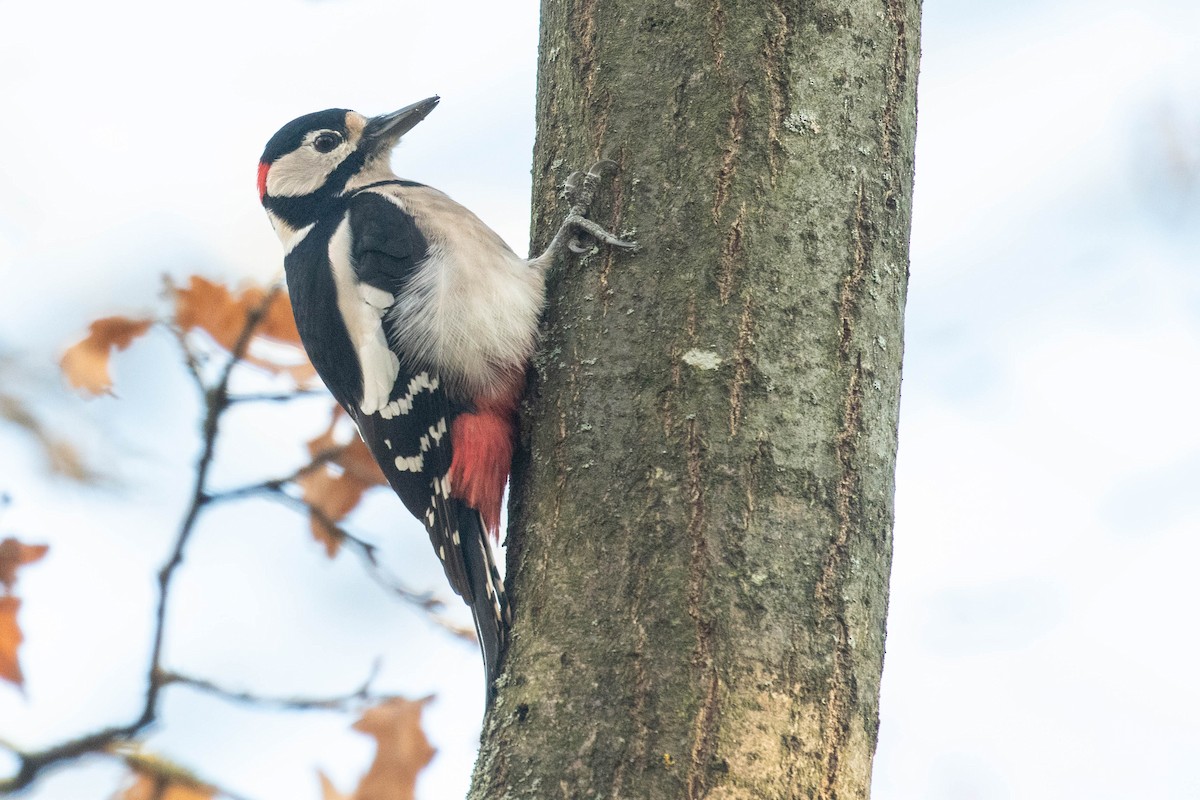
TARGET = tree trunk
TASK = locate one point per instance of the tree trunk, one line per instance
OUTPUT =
(702, 509)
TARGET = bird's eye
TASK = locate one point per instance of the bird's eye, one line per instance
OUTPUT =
(326, 141)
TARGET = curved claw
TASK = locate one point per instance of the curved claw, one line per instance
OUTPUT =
(584, 235)
(596, 171)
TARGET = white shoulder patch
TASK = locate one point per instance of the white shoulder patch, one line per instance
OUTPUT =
(362, 308)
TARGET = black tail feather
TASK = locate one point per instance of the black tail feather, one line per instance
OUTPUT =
(488, 601)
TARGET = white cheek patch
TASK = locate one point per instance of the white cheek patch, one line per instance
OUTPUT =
(303, 171)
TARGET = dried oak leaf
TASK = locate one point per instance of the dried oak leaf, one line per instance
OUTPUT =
(85, 363)
(328, 790)
(335, 486)
(14, 554)
(157, 778)
(10, 640)
(147, 786)
(223, 314)
(401, 752)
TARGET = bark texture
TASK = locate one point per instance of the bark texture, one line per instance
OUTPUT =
(702, 509)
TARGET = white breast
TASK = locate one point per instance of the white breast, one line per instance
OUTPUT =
(472, 307)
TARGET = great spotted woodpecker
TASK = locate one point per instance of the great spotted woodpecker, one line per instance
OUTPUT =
(421, 321)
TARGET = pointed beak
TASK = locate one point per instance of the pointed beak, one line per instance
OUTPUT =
(385, 130)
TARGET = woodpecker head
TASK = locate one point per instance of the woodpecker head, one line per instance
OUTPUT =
(316, 156)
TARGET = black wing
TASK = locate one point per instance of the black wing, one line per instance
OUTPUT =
(388, 246)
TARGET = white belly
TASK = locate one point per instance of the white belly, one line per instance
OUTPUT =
(472, 307)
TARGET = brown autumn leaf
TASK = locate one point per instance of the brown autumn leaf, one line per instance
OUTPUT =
(328, 790)
(401, 752)
(14, 554)
(331, 498)
(154, 777)
(10, 640)
(85, 363)
(149, 786)
(334, 487)
(222, 314)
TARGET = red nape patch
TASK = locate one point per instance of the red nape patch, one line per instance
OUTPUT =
(482, 443)
(263, 168)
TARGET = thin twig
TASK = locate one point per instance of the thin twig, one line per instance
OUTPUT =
(190, 360)
(275, 484)
(215, 403)
(276, 489)
(426, 601)
(350, 701)
(277, 397)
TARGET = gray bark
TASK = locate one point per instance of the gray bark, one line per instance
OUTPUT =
(702, 508)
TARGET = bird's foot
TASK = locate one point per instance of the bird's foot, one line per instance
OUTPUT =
(580, 190)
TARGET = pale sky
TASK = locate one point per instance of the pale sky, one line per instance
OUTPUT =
(1040, 641)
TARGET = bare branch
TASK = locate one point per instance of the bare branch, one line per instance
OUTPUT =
(216, 401)
(113, 740)
(276, 489)
(275, 484)
(190, 359)
(426, 601)
(350, 701)
(278, 397)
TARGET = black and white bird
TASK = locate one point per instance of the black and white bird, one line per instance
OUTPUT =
(421, 321)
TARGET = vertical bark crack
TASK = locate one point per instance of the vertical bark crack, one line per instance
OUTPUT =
(636, 753)
(775, 69)
(731, 256)
(741, 365)
(897, 76)
(705, 724)
(830, 590)
(733, 146)
(716, 30)
(583, 25)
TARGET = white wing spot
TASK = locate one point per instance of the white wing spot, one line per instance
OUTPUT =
(410, 463)
(403, 405)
